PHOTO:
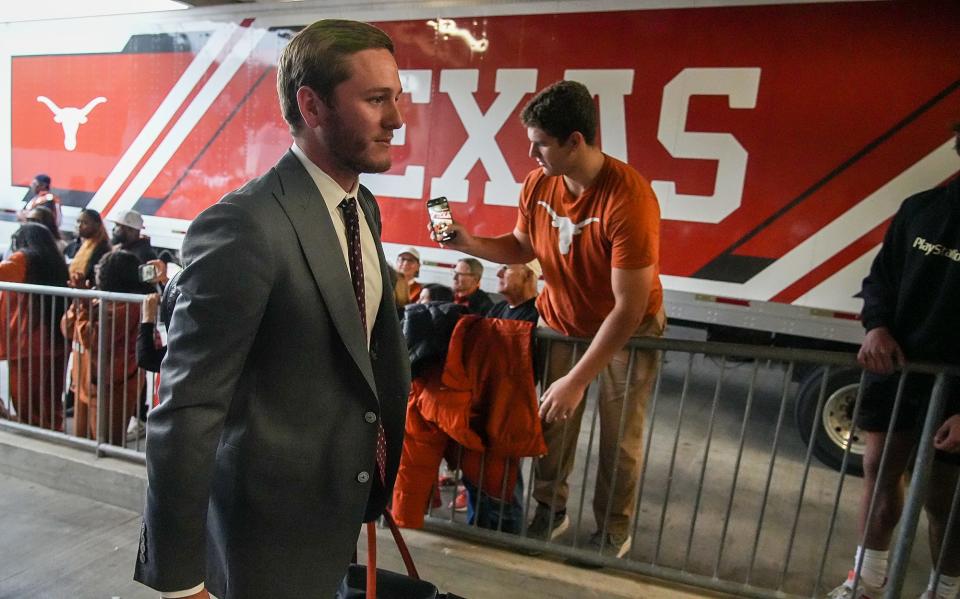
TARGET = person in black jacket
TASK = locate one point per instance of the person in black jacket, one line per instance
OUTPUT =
(910, 313)
(127, 235)
(149, 353)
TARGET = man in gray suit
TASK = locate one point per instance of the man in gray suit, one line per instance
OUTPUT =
(286, 376)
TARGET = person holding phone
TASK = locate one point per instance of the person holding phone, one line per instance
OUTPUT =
(594, 224)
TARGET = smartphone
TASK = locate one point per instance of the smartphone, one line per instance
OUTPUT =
(440, 218)
(148, 272)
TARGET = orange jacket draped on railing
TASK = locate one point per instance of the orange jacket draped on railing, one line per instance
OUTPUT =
(485, 400)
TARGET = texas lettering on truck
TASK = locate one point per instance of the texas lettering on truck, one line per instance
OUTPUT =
(779, 137)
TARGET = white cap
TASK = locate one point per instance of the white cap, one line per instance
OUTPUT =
(412, 251)
(129, 218)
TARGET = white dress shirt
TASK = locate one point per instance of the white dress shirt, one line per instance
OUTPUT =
(332, 195)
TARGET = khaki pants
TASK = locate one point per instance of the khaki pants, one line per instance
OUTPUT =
(614, 485)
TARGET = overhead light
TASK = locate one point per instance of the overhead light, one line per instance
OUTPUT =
(70, 9)
(448, 28)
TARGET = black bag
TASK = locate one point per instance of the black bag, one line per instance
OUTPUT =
(357, 584)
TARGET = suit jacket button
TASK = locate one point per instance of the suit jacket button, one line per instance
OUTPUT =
(370, 417)
(373, 355)
(363, 477)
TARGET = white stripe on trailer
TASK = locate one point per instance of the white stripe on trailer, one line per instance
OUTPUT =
(930, 171)
(839, 288)
(191, 116)
(159, 120)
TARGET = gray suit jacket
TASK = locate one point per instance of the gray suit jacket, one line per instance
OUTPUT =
(261, 458)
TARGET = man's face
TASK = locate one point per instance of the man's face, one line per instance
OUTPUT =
(123, 234)
(364, 113)
(464, 281)
(36, 186)
(86, 228)
(511, 279)
(552, 156)
(407, 265)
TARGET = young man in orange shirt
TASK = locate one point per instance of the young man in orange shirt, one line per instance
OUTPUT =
(594, 224)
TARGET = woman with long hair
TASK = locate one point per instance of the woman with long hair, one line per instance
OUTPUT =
(118, 272)
(29, 338)
(44, 216)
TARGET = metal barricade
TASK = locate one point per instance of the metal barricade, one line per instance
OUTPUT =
(70, 346)
(715, 491)
(725, 496)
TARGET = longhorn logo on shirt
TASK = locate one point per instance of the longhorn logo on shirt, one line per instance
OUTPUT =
(70, 118)
(567, 228)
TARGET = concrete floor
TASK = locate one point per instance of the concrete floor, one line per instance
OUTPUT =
(55, 544)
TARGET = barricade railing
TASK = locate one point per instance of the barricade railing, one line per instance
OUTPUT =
(714, 492)
(71, 373)
(724, 495)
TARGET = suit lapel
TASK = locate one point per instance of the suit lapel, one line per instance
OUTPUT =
(300, 199)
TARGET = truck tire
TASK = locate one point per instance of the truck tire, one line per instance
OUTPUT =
(834, 426)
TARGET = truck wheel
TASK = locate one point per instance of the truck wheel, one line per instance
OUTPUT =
(834, 429)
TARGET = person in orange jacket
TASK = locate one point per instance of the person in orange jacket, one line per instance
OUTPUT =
(117, 272)
(29, 341)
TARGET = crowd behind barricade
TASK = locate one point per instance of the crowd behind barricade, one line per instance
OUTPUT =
(51, 342)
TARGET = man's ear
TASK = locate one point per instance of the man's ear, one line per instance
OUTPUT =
(312, 107)
(575, 141)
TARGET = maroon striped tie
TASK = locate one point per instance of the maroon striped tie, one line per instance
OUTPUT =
(352, 222)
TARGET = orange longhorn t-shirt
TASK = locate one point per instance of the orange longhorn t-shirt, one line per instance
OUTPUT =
(615, 223)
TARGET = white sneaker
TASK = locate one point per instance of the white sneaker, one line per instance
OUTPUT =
(542, 528)
(864, 590)
(615, 545)
(136, 429)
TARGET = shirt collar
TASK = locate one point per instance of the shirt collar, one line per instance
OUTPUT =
(330, 190)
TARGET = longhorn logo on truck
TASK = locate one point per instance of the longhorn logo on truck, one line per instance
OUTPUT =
(567, 227)
(70, 118)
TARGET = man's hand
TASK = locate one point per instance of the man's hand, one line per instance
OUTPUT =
(948, 436)
(161, 269)
(462, 238)
(561, 399)
(202, 594)
(880, 352)
(77, 281)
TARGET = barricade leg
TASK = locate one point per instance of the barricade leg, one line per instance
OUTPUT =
(918, 489)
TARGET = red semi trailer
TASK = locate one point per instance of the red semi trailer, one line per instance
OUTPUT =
(780, 137)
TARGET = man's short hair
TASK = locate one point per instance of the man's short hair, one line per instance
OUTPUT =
(43, 180)
(438, 292)
(562, 108)
(316, 57)
(476, 269)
